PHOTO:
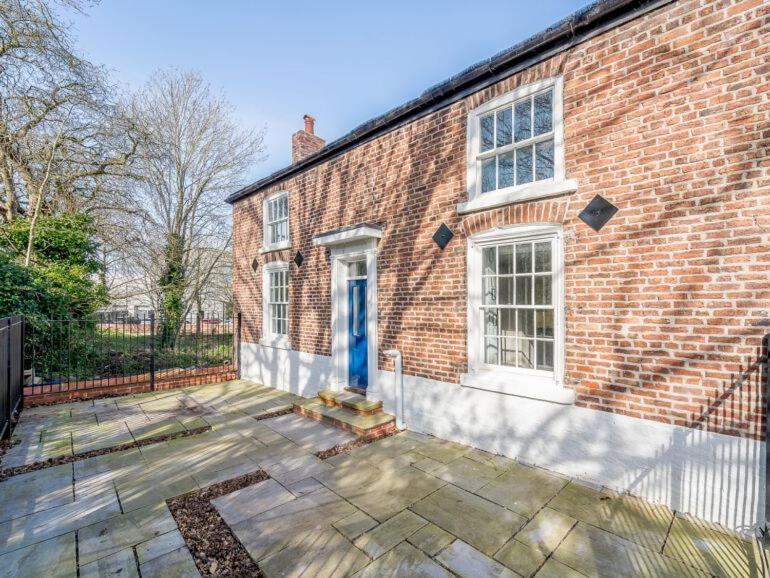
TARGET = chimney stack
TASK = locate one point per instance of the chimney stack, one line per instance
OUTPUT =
(305, 142)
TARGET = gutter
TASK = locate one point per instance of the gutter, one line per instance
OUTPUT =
(580, 26)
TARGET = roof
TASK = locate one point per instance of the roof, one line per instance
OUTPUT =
(587, 22)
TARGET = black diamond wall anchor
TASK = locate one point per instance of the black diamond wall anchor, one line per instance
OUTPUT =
(254, 265)
(298, 258)
(442, 236)
(598, 212)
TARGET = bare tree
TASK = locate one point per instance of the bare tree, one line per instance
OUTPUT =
(194, 156)
(65, 140)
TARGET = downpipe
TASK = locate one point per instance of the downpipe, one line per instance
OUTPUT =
(398, 387)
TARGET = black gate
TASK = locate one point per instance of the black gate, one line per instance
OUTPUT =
(11, 370)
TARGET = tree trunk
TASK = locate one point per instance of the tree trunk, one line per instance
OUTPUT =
(172, 286)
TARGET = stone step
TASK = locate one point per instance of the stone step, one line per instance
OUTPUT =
(366, 426)
(353, 401)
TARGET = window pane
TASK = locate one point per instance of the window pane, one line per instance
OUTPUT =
(489, 288)
(524, 258)
(505, 255)
(504, 128)
(522, 125)
(490, 322)
(491, 350)
(545, 355)
(505, 285)
(488, 175)
(357, 269)
(283, 204)
(508, 352)
(487, 132)
(526, 353)
(543, 113)
(508, 322)
(505, 171)
(524, 165)
(543, 290)
(544, 160)
(524, 290)
(542, 257)
(545, 323)
(526, 322)
(489, 256)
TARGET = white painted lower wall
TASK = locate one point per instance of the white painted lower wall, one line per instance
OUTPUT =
(713, 476)
(300, 373)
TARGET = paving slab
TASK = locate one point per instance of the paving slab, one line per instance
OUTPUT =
(522, 559)
(483, 524)
(442, 450)
(431, 539)
(269, 532)
(523, 489)
(387, 535)
(305, 486)
(466, 561)
(555, 569)
(45, 524)
(55, 558)
(546, 530)
(321, 554)
(626, 516)
(596, 552)
(713, 550)
(36, 491)
(252, 500)
(403, 560)
(381, 494)
(308, 434)
(104, 538)
(122, 563)
(355, 524)
(466, 473)
(162, 544)
(178, 563)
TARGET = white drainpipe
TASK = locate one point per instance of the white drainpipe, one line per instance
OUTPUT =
(398, 387)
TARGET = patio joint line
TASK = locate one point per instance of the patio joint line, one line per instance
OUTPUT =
(77, 552)
(668, 531)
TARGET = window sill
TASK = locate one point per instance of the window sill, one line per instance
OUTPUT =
(512, 195)
(275, 342)
(275, 247)
(520, 385)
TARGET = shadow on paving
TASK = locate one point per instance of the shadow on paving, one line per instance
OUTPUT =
(409, 504)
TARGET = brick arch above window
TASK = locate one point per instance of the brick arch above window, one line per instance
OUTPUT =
(554, 211)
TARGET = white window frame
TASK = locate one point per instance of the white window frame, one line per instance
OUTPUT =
(557, 185)
(266, 245)
(531, 383)
(269, 338)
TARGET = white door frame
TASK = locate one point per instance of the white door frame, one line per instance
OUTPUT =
(341, 256)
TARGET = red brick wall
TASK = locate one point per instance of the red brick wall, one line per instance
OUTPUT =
(666, 116)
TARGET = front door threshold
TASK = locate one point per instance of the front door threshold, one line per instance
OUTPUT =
(358, 390)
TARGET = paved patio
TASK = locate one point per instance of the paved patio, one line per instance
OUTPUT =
(405, 505)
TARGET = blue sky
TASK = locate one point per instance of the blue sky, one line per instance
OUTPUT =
(342, 62)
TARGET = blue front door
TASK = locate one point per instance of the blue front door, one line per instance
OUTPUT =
(358, 368)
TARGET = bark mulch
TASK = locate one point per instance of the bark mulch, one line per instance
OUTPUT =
(347, 446)
(216, 550)
(276, 413)
(59, 460)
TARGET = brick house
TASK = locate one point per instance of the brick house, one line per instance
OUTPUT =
(629, 356)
